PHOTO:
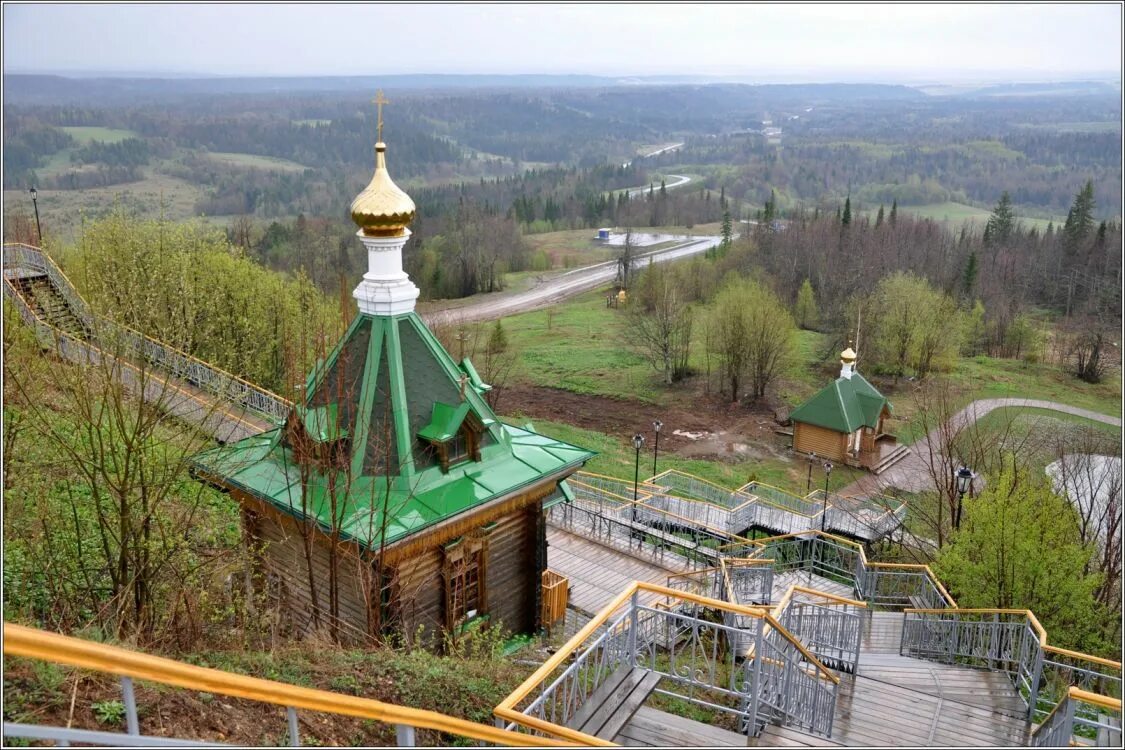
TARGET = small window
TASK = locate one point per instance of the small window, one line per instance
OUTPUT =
(458, 448)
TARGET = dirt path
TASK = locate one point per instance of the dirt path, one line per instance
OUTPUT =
(911, 474)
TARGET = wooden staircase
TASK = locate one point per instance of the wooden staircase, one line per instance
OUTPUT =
(50, 305)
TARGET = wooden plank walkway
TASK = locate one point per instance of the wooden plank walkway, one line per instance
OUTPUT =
(880, 633)
(652, 728)
(775, 736)
(598, 573)
(870, 712)
(782, 582)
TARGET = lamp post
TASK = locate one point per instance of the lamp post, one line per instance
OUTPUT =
(656, 446)
(964, 479)
(824, 506)
(638, 443)
(808, 482)
(35, 202)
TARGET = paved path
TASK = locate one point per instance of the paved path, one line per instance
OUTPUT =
(557, 288)
(911, 473)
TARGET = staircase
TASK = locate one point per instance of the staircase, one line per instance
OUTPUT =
(50, 305)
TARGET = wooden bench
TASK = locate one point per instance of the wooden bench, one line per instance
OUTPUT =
(613, 704)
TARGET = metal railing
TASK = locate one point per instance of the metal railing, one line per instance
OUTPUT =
(115, 337)
(893, 585)
(1080, 718)
(1013, 642)
(782, 681)
(764, 506)
(132, 665)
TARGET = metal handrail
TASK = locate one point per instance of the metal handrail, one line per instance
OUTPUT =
(506, 709)
(265, 402)
(75, 652)
(1058, 727)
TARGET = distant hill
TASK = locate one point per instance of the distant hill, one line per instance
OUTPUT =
(33, 89)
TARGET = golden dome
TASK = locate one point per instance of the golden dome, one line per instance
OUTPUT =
(382, 209)
(847, 355)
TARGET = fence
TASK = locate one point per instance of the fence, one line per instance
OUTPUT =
(132, 665)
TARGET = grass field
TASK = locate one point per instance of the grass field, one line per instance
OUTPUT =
(61, 210)
(313, 123)
(956, 214)
(616, 458)
(86, 135)
(251, 161)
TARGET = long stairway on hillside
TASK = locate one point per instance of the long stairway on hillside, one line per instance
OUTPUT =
(225, 405)
(49, 304)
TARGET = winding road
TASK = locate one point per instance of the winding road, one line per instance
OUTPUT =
(911, 473)
(554, 289)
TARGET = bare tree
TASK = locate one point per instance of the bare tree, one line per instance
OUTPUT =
(658, 323)
(1087, 470)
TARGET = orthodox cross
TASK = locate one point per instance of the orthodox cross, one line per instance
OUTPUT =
(379, 101)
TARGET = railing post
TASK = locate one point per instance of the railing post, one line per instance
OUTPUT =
(130, 699)
(294, 737)
(633, 630)
(1036, 678)
(756, 683)
(404, 735)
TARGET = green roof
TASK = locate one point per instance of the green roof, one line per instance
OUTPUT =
(445, 421)
(322, 423)
(387, 384)
(844, 405)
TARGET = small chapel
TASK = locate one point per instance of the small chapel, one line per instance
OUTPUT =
(845, 422)
(393, 498)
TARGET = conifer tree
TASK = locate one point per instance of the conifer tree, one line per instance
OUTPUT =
(847, 218)
(879, 217)
(969, 276)
(728, 234)
(894, 212)
(1000, 224)
(1080, 220)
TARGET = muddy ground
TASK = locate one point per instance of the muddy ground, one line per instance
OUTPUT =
(712, 428)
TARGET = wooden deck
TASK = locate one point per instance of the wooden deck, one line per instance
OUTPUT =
(871, 712)
(598, 573)
(652, 728)
(782, 582)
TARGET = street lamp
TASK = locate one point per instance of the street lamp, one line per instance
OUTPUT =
(824, 507)
(638, 443)
(964, 479)
(656, 446)
(34, 202)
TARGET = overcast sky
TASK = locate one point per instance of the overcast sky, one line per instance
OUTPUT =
(796, 42)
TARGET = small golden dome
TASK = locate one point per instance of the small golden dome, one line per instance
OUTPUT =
(382, 209)
(847, 355)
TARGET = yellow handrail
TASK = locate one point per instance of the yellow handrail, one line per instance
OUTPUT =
(506, 708)
(61, 649)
